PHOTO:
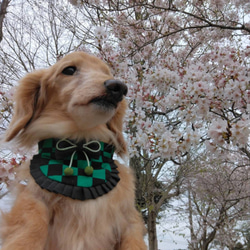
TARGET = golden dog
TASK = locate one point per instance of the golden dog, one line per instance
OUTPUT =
(76, 108)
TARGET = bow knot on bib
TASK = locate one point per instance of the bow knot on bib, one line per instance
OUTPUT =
(66, 147)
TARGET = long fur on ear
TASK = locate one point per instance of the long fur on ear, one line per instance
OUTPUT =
(116, 126)
(26, 100)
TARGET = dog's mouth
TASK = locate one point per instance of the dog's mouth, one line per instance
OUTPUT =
(106, 101)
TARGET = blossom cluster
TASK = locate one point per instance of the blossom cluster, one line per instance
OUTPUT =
(173, 111)
(8, 168)
(176, 105)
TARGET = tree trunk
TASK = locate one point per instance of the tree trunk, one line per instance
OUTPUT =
(152, 234)
(208, 239)
(3, 10)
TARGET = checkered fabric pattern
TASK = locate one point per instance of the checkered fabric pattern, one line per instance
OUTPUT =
(47, 168)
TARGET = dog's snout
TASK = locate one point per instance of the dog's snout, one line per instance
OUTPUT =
(116, 87)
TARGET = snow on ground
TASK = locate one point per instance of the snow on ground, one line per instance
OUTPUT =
(167, 239)
(172, 231)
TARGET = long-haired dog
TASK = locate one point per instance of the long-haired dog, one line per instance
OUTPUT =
(76, 197)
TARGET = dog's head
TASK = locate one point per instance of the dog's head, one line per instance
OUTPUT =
(76, 98)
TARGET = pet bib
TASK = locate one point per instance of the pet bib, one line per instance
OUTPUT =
(79, 170)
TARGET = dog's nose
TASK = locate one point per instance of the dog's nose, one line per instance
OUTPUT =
(116, 88)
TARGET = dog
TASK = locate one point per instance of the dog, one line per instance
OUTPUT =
(75, 196)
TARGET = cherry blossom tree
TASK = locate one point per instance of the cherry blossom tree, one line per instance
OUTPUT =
(186, 64)
(217, 201)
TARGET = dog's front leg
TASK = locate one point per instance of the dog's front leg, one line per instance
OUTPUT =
(25, 227)
(132, 237)
(132, 240)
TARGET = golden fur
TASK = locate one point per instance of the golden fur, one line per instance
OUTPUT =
(50, 104)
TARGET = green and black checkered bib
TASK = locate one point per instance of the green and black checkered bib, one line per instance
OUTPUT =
(48, 168)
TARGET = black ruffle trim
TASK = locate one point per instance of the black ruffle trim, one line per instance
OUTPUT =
(74, 192)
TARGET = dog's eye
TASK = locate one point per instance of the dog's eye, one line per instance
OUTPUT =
(69, 70)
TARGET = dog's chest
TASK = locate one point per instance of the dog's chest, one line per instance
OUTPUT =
(88, 225)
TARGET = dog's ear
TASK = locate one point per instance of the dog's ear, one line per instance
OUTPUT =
(28, 100)
(116, 126)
